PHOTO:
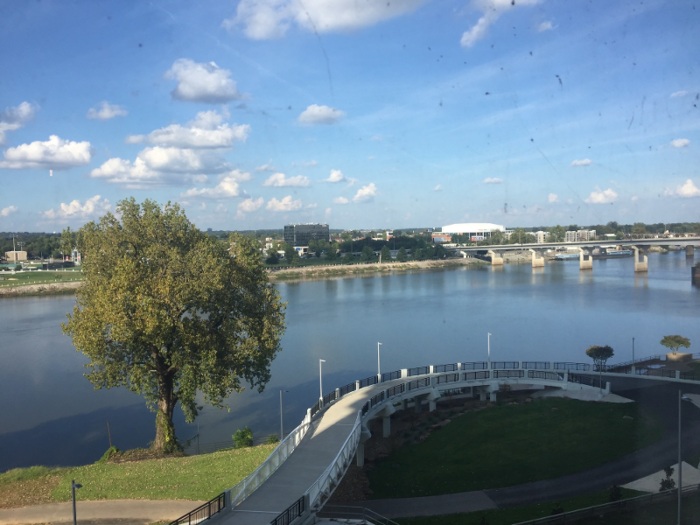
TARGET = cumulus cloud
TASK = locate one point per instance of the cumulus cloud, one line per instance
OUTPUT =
(205, 131)
(55, 154)
(677, 94)
(438, 187)
(265, 19)
(545, 26)
(336, 176)
(553, 197)
(581, 162)
(599, 196)
(92, 209)
(340, 200)
(491, 10)
(328, 212)
(280, 180)
(492, 180)
(15, 117)
(226, 188)
(250, 204)
(266, 167)
(202, 82)
(286, 204)
(105, 111)
(680, 143)
(315, 114)
(689, 189)
(365, 193)
(6, 211)
(634, 198)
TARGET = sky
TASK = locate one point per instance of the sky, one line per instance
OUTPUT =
(253, 114)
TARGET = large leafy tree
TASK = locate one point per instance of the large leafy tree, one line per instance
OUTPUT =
(166, 311)
(674, 342)
(600, 355)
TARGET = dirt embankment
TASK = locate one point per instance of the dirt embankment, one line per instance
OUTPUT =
(39, 289)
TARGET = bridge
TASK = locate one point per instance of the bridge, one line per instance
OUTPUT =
(299, 476)
(641, 264)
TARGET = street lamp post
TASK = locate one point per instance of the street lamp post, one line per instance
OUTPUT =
(379, 364)
(281, 420)
(633, 351)
(320, 378)
(489, 350)
(74, 486)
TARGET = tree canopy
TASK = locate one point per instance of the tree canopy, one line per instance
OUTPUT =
(600, 354)
(166, 311)
(674, 342)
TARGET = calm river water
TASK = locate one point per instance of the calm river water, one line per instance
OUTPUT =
(50, 414)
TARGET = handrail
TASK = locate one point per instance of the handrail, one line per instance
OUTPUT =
(295, 510)
(203, 512)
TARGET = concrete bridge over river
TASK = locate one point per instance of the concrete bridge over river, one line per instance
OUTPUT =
(585, 248)
(299, 476)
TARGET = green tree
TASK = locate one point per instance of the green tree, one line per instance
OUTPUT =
(600, 355)
(243, 438)
(331, 252)
(348, 258)
(367, 254)
(168, 311)
(290, 254)
(67, 241)
(385, 254)
(417, 254)
(674, 342)
(639, 228)
(401, 256)
(556, 234)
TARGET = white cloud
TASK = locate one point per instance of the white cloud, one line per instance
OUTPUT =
(6, 211)
(378, 138)
(226, 188)
(365, 193)
(492, 180)
(280, 180)
(316, 114)
(581, 162)
(634, 198)
(328, 212)
(689, 189)
(340, 200)
(55, 153)
(286, 204)
(15, 118)
(311, 206)
(105, 111)
(266, 167)
(678, 94)
(680, 143)
(205, 131)
(553, 197)
(202, 82)
(177, 160)
(545, 26)
(92, 209)
(491, 11)
(438, 187)
(250, 204)
(264, 19)
(599, 196)
(336, 176)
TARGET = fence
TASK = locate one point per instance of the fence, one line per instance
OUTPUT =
(203, 512)
(295, 510)
(475, 366)
(390, 376)
(418, 371)
(445, 368)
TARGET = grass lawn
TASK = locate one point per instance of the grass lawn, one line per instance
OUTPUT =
(514, 444)
(190, 478)
(24, 278)
(517, 514)
(655, 514)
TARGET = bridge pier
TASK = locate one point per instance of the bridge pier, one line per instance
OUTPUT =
(496, 260)
(585, 261)
(690, 251)
(537, 262)
(365, 434)
(640, 266)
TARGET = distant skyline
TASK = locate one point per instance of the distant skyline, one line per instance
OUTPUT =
(257, 113)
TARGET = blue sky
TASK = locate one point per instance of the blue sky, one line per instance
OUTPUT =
(358, 113)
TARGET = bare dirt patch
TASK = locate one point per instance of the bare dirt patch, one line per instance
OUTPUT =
(28, 493)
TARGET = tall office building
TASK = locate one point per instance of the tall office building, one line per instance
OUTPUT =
(301, 234)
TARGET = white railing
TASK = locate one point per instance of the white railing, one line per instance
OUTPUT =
(330, 478)
(247, 486)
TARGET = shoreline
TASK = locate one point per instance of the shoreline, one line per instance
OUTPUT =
(40, 289)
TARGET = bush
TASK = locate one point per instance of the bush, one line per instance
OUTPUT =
(111, 451)
(272, 439)
(243, 438)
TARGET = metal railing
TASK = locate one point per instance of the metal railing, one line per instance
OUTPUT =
(295, 510)
(536, 365)
(655, 372)
(350, 387)
(203, 512)
(419, 383)
(473, 376)
(584, 367)
(368, 381)
(508, 373)
(447, 378)
(394, 390)
(480, 365)
(418, 371)
(377, 399)
(390, 376)
(550, 376)
(331, 396)
(445, 368)
(584, 380)
(505, 365)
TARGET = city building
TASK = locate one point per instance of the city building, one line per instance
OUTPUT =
(580, 236)
(301, 234)
(441, 237)
(477, 231)
(541, 237)
(15, 256)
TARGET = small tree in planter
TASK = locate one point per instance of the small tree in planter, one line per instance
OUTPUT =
(600, 355)
(674, 342)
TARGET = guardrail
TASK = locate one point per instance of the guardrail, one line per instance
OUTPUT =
(295, 510)
(203, 512)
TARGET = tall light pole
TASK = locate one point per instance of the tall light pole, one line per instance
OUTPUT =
(74, 486)
(320, 378)
(379, 364)
(489, 350)
(281, 420)
(680, 465)
(633, 351)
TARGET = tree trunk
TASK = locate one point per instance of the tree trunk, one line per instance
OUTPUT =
(165, 441)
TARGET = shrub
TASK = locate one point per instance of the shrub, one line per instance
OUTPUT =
(243, 438)
(272, 439)
(111, 451)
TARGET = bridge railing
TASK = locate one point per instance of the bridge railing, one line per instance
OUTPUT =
(203, 512)
(479, 365)
(390, 376)
(505, 365)
(438, 369)
(418, 371)
(582, 367)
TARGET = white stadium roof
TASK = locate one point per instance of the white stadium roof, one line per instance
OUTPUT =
(472, 227)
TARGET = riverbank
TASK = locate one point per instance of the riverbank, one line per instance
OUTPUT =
(39, 289)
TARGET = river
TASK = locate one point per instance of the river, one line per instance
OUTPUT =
(50, 414)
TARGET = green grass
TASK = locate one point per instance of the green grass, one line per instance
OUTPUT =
(189, 478)
(511, 515)
(514, 444)
(25, 278)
